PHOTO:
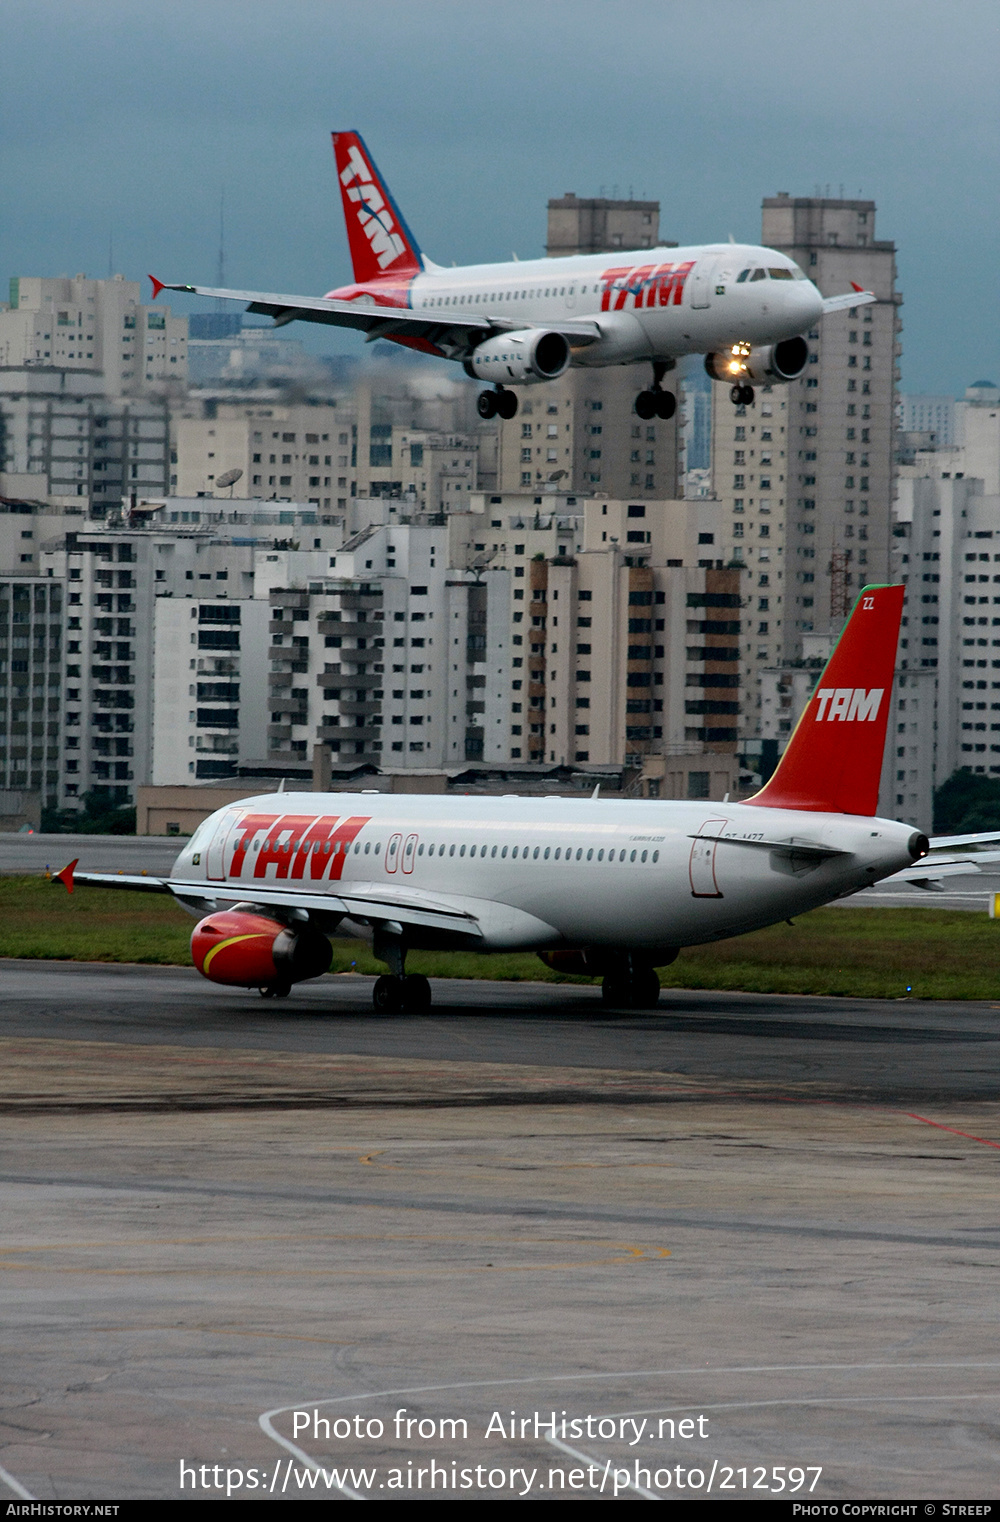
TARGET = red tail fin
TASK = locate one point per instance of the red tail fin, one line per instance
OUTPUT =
(834, 759)
(66, 875)
(380, 241)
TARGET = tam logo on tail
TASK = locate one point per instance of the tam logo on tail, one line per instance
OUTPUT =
(849, 703)
(379, 239)
(834, 759)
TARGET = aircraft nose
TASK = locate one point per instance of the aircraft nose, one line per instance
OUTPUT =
(809, 302)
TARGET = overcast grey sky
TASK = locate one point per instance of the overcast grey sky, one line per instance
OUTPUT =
(127, 119)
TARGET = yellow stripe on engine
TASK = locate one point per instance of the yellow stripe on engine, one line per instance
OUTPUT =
(233, 940)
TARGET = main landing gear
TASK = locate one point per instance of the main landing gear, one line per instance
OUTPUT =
(742, 396)
(656, 402)
(408, 995)
(498, 403)
(630, 984)
(397, 992)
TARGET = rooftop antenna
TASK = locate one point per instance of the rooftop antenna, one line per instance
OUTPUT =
(222, 242)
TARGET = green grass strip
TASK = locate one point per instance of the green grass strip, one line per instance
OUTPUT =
(863, 953)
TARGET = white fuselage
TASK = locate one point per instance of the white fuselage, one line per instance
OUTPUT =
(647, 303)
(543, 872)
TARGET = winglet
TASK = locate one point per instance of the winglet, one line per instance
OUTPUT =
(158, 286)
(66, 875)
(854, 286)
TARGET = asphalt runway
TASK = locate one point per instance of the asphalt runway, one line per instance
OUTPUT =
(753, 1239)
(97, 853)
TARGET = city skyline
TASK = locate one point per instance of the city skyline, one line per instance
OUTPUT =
(162, 109)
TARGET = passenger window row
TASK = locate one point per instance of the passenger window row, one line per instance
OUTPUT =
(545, 853)
(524, 853)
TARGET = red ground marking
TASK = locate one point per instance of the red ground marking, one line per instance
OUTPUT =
(967, 1134)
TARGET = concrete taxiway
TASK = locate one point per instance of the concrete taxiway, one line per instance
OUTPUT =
(774, 1217)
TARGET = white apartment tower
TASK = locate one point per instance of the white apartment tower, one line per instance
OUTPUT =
(76, 324)
(806, 474)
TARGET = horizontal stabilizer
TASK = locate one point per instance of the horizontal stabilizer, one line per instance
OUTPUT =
(794, 847)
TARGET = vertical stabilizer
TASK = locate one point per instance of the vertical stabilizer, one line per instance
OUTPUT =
(833, 761)
(381, 243)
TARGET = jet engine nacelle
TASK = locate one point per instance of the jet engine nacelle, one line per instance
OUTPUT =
(524, 358)
(251, 951)
(783, 361)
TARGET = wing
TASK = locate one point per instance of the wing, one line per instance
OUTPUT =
(364, 903)
(855, 298)
(452, 334)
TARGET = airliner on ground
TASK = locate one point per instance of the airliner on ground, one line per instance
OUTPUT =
(610, 887)
(744, 307)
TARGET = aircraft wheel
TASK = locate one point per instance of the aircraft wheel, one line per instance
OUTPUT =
(276, 991)
(640, 991)
(507, 405)
(666, 404)
(747, 396)
(645, 405)
(416, 993)
(645, 990)
(736, 395)
(486, 404)
(387, 995)
(614, 992)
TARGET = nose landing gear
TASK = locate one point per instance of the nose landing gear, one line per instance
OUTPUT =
(741, 396)
(656, 402)
(496, 403)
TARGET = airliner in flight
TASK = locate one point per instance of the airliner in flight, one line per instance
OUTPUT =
(744, 307)
(612, 887)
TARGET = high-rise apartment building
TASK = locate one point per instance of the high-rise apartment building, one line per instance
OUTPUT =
(934, 415)
(806, 474)
(946, 696)
(100, 326)
(130, 715)
(335, 455)
(31, 678)
(593, 225)
(63, 444)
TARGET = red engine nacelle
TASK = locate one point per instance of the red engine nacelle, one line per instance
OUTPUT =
(250, 951)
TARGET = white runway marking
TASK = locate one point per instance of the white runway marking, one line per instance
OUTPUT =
(266, 1423)
(15, 1485)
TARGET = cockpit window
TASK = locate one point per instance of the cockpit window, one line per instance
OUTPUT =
(798, 274)
(742, 276)
(780, 274)
(759, 275)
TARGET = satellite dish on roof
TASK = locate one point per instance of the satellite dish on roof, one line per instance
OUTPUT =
(228, 478)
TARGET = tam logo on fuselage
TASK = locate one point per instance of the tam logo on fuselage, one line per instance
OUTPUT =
(849, 703)
(373, 214)
(647, 285)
